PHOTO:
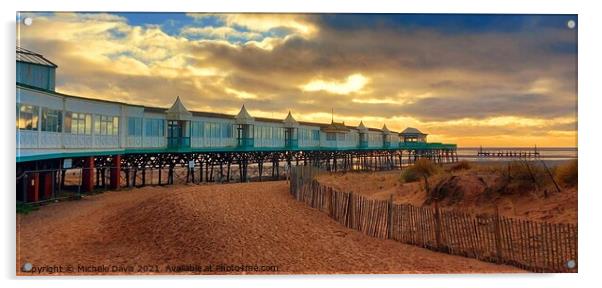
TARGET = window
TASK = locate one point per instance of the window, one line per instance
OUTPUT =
(315, 135)
(35, 75)
(97, 124)
(197, 129)
(266, 132)
(375, 138)
(341, 136)
(279, 133)
(106, 125)
(302, 133)
(226, 130)
(27, 117)
(154, 127)
(134, 126)
(52, 120)
(115, 125)
(330, 136)
(215, 130)
(207, 129)
(78, 123)
(258, 132)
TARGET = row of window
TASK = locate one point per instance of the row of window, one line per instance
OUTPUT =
(152, 127)
(106, 125)
(74, 122)
(78, 123)
(269, 133)
(306, 134)
(81, 123)
(332, 136)
(375, 138)
(134, 126)
(342, 137)
(200, 129)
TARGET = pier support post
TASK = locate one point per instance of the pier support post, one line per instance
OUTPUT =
(46, 185)
(33, 187)
(115, 172)
(88, 174)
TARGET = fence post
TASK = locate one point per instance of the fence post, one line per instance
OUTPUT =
(390, 217)
(414, 226)
(497, 233)
(333, 203)
(437, 226)
(349, 210)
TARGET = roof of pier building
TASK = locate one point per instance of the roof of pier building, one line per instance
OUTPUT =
(178, 111)
(35, 70)
(289, 121)
(362, 128)
(27, 56)
(243, 117)
(336, 127)
(385, 130)
(410, 131)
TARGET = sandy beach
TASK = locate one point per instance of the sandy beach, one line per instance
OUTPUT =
(154, 229)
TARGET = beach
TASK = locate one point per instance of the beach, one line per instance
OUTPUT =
(256, 226)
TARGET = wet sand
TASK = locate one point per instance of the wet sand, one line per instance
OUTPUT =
(256, 224)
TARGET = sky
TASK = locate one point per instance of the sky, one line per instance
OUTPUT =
(491, 80)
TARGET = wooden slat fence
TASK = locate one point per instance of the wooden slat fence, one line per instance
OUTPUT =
(530, 245)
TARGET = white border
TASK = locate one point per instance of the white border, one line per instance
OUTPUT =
(589, 137)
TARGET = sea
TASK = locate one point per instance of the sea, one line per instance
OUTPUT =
(546, 153)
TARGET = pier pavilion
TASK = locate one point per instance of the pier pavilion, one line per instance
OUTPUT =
(116, 144)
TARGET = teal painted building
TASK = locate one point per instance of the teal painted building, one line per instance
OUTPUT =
(55, 125)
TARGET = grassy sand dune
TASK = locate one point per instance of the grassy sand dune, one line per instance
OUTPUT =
(478, 188)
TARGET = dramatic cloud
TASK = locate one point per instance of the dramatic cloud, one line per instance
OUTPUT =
(353, 83)
(467, 79)
(263, 22)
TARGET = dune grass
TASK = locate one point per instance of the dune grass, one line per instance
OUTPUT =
(566, 174)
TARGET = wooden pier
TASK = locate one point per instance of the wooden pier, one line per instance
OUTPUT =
(497, 153)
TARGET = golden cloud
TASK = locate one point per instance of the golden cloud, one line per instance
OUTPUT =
(265, 22)
(352, 84)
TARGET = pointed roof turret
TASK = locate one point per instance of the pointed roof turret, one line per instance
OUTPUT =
(362, 128)
(385, 129)
(411, 131)
(178, 111)
(243, 116)
(290, 121)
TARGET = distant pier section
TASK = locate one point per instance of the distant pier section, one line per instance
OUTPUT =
(514, 154)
